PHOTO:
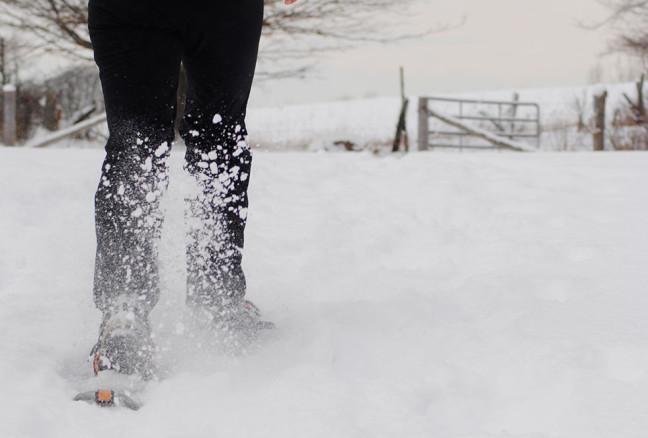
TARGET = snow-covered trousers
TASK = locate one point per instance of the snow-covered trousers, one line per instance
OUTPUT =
(139, 47)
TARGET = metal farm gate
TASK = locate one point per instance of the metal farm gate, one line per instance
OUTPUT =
(478, 124)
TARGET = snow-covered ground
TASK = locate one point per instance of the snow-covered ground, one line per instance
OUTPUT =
(485, 295)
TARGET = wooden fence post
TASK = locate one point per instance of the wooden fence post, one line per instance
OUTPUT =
(9, 122)
(599, 121)
(423, 125)
(401, 128)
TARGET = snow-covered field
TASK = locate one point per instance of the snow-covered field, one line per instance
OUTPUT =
(484, 295)
(373, 121)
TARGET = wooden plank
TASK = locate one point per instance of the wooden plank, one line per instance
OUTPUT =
(599, 121)
(57, 136)
(423, 125)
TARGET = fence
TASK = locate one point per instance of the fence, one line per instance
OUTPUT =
(461, 123)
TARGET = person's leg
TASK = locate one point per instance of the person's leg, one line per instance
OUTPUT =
(139, 62)
(220, 59)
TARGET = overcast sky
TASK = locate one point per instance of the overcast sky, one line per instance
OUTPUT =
(503, 44)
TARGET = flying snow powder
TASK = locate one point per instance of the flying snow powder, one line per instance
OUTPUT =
(162, 149)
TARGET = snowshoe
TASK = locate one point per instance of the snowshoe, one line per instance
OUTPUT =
(122, 360)
(236, 325)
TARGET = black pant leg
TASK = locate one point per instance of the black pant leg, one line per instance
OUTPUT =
(139, 66)
(220, 59)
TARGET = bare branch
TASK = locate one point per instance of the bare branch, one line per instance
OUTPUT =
(293, 36)
(629, 21)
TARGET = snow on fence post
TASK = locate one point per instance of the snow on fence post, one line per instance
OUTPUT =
(599, 121)
(423, 125)
(9, 122)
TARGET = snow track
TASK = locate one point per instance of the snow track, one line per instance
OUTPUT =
(478, 295)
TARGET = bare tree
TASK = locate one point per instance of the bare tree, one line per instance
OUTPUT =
(53, 25)
(291, 35)
(629, 21)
